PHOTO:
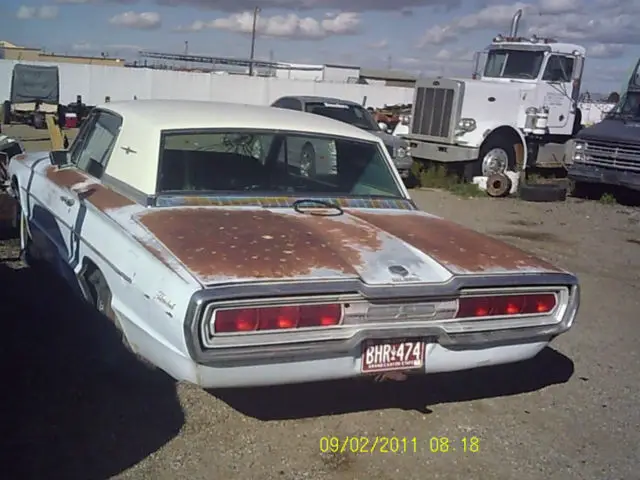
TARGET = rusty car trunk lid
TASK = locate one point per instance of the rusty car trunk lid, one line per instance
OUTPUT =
(220, 245)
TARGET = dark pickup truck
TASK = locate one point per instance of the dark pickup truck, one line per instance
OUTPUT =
(608, 153)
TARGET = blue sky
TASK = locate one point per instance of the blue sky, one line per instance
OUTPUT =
(422, 36)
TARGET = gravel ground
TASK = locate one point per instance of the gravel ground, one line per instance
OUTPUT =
(571, 413)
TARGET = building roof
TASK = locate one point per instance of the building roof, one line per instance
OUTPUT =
(387, 75)
(188, 114)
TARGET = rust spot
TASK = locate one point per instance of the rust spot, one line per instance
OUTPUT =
(214, 242)
(103, 198)
(98, 195)
(459, 249)
(65, 178)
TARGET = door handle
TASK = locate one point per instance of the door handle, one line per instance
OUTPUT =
(67, 201)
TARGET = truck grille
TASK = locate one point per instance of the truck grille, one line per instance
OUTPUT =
(612, 155)
(433, 109)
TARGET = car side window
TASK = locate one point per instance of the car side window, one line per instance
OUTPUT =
(92, 153)
(558, 69)
(289, 104)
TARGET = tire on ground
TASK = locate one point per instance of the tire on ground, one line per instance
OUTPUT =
(498, 185)
(542, 192)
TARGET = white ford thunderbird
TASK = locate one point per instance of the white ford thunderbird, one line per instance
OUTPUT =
(224, 266)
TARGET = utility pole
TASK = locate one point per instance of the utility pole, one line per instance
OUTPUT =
(256, 11)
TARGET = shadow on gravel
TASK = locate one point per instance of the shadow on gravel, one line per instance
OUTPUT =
(550, 367)
(65, 412)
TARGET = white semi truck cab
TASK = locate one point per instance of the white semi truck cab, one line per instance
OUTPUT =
(525, 96)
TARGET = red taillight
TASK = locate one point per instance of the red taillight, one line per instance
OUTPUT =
(276, 318)
(492, 306)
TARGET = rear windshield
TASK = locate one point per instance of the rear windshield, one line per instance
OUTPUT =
(352, 114)
(273, 163)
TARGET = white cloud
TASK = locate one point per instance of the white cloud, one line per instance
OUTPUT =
(606, 50)
(44, 12)
(379, 45)
(559, 6)
(284, 26)
(140, 21)
(83, 47)
(605, 21)
(352, 5)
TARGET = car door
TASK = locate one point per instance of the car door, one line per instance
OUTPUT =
(88, 158)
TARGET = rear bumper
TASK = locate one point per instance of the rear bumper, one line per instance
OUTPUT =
(604, 176)
(441, 152)
(450, 345)
(300, 363)
(438, 358)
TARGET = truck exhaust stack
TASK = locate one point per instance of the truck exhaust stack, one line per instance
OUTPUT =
(514, 23)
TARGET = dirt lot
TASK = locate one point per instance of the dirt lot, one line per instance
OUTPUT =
(571, 413)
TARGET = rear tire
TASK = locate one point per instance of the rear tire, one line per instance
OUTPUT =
(101, 298)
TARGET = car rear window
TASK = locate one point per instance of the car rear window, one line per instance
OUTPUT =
(273, 163)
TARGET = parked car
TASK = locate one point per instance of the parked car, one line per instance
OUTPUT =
(354, 114)
(227, 268)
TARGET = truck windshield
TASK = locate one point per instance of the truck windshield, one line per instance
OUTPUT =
(352, 114)
(513, 63)
(629, 106)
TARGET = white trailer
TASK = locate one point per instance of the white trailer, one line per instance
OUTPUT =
(525, 97)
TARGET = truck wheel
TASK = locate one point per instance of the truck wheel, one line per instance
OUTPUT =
(6, 112)
(497, 155)
(542, 192)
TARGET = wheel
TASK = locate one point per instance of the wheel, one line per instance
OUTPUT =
(6, 112)
(411, 181)
(498, 185)
(101, 298)
(585, 190)
(497, 155)
(39, 120)
(542, 192)
(307, 160)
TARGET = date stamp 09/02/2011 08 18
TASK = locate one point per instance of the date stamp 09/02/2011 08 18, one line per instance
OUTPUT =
(382, 444)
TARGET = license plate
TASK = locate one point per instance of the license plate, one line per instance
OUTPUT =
(392, 355)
